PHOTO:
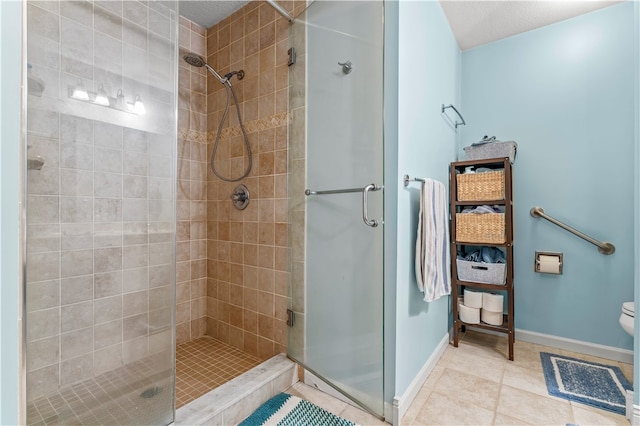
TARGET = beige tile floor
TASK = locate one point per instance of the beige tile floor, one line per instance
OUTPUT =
(475, 384)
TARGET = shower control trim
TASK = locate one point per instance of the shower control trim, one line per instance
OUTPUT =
(240, 197)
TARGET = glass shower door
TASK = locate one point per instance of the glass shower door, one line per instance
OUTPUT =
(100, 212)
(336, 195)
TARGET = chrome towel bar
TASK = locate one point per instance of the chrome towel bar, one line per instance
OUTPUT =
(603, 247)
(308, 192)
(456, 123)
(406, 179)
(365, 199)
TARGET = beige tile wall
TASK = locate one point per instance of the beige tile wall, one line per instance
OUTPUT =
(191, 234)
(247, 250)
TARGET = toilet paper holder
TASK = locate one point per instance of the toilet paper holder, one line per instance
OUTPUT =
(544, 257)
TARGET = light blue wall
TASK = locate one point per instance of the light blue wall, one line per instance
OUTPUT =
(10, 60)
(565, 93)
(429, 73)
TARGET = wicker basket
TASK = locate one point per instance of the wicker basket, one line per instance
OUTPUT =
(485, 186)
(486, 228)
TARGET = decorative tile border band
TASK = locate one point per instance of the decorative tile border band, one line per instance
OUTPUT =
(254, 126)
(193, 135)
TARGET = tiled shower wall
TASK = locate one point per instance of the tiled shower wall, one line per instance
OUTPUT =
(191, 233)
(247, 252)
(100, 209)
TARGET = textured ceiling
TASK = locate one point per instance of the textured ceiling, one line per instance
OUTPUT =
(207, 13)
(473, 22)
(479, 22)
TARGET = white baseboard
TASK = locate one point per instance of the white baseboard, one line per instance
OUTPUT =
(635, 417)
(401, 403)
(593, 349)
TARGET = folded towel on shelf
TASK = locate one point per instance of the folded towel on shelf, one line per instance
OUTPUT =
(482, 209)
(433, 273)
(484, 254)
(486, 139)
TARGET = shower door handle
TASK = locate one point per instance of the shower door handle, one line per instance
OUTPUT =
(365, 204)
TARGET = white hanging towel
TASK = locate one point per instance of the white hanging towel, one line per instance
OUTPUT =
(433, 273)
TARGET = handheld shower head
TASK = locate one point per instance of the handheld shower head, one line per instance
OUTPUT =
(197, 61)
(194, 60)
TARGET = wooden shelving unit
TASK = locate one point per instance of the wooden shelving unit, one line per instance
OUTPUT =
(458, 286)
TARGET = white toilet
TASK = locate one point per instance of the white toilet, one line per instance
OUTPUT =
(626, 318)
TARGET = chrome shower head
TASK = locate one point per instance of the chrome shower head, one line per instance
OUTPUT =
(197, 61)
(194, 60)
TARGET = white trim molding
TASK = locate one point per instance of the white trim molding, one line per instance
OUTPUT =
(401, 403)
(635, 419)
(593, 349)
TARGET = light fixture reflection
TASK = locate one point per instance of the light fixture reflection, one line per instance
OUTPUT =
(101, 97)
(138, 106)
(121, 102)
(80, 92)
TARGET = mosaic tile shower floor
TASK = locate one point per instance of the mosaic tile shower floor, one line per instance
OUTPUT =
(140, 393)
(206, 363)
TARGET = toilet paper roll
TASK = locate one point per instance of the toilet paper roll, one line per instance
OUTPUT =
(548, 264)
(492, 302)
(472, 299)
(469, 315)
(493, 318)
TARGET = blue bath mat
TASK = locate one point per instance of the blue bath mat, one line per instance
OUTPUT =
(598, 385)
(288, 410)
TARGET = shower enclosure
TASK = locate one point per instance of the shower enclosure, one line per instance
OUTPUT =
(336, 197)
(101, 206)
(100, 212)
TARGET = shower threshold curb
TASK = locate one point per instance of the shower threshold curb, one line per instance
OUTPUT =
(233, 401)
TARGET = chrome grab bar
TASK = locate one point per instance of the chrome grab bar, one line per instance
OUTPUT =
(603, 247)
(365, 199)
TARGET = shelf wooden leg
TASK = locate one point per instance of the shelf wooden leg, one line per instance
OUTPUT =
(455, 335)
(511, 342)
